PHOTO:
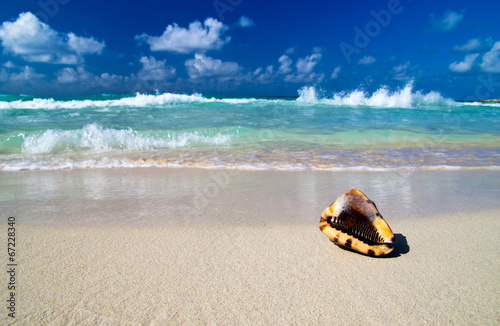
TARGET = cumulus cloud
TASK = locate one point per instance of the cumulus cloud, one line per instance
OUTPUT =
(26, 74)
(465, 65)
(312, 78)
(84, 45)
(447, 22)
(307, 64)
(203, 66)
(285, 63)
(245, 22)
(70, 75)
(197, 37)
(304, 70)
(153, 69)
(367, 60)
(87, 80)
(491, 59)
(267, 77)
(8, 64)
(474, 45)
(35, 41)
(335, 73)
(24, 78)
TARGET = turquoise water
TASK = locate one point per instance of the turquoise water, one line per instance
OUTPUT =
(388, 129)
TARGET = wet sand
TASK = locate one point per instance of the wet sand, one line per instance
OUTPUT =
(199, 246)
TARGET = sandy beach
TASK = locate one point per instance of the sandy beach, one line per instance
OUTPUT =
(170, 246)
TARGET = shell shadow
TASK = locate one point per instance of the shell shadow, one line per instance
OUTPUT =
(400, 248)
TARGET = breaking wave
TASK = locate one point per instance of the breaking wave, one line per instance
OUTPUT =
(138, 100)
(404, 97)
(401, 98)
(99, 139)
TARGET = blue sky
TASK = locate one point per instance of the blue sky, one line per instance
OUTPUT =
(249, 48)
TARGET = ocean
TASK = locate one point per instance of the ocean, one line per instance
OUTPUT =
(318, 129)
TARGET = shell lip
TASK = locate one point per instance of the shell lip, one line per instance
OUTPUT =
(368, 241)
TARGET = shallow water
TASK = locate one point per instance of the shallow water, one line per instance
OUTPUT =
(188, 196)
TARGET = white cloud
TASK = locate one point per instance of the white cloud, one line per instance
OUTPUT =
(83, 45)
(307, 64)
(203, 66)
(335, 73)
(197, 37)
(153, 69)
(474, 45)
(303, 70)
(267, 77)
(87, 80)
(9, 64)
(471, 45)
(109, 81)
(465, 65)
(304, 73)
(245, 22)
(312, 78)
(27, 74)
(402, 67)
(491, 59)
(367, 60)
(68, 76)
(447, 22)
(285, 63)
(35, 41)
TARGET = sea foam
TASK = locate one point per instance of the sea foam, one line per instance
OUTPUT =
(383, 97)
(99, 139)
(138, 100)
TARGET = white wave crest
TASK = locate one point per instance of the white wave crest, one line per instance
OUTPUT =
(401, 98)
(99, 139)
(139, 100)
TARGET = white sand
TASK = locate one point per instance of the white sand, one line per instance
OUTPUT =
(111, 253)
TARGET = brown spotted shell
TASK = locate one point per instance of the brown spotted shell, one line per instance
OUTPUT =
(354, 221)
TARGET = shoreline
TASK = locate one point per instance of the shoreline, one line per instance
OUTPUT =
(157, 196)
(195, 246)
(282, 159)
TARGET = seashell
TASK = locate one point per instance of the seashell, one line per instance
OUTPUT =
(353, 221)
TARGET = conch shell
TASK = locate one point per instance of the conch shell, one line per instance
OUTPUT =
(353, 221)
